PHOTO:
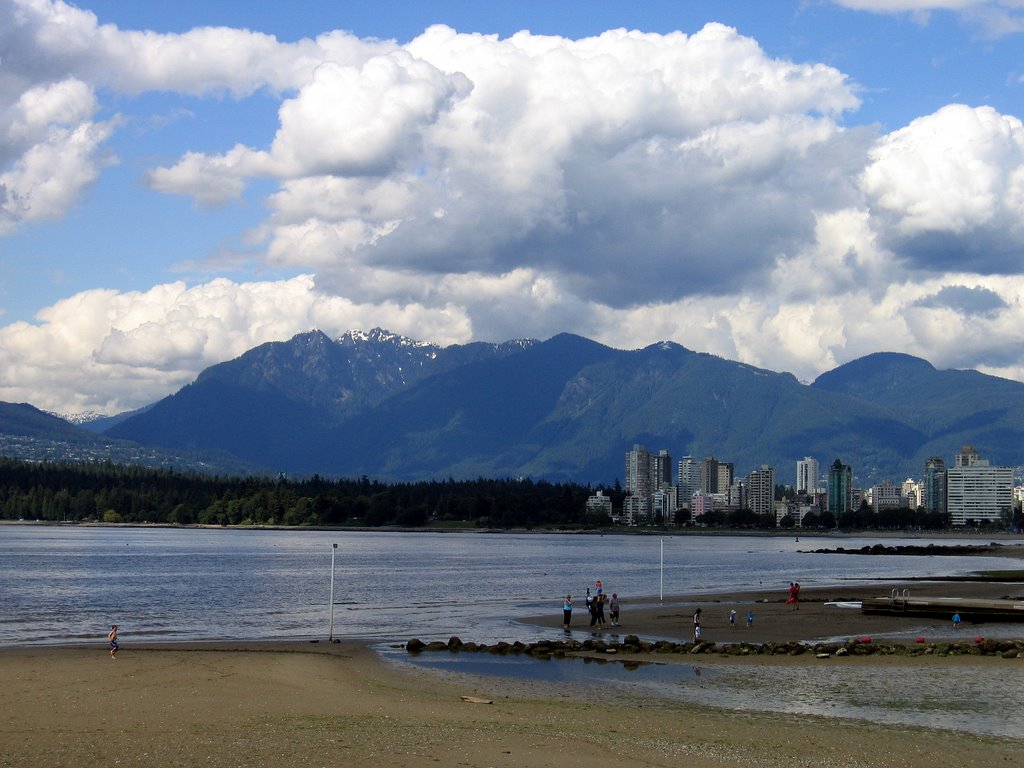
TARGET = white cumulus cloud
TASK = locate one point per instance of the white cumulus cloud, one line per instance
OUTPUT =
(628, 186)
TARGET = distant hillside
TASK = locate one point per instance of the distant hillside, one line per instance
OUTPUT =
(25, 420)
(568, 409)
(947, 408)
(28, 433)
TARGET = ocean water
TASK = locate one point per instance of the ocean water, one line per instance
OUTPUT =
(67, 584)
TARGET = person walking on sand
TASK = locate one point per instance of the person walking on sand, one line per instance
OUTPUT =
(567, 612)
(696, 626)
(794, 596)
(732, 618)
(613, 609)
(750, 619)
(112, 637)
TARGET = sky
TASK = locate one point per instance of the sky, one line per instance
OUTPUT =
(791, 184)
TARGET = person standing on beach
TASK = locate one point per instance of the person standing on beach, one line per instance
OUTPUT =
(567, 612)
(599, 603)
(732, 618)
(613, 609)
(750, 619)
(696, 626)
(956, 620)
(112, 637)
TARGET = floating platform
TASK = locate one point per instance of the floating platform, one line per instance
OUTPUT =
(970, 609)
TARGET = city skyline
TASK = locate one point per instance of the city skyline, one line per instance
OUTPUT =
(970, 490)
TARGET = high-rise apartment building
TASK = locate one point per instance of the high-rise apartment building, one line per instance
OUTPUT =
(910, 493)
(976, 491)
(639, 487)
(662, 470)
(689, 479)
(840, 489)
(807, 476)
(715, 476)
(639, 471)
(933, 486)
(725, 476)
(709, 474)
(761, 490)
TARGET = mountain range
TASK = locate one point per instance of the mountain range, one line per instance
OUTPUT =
(568, 408)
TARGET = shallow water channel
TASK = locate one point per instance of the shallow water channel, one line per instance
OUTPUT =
(980, 696)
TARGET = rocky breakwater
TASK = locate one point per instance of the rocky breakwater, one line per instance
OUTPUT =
(636, 650)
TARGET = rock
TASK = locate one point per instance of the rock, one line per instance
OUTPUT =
(415, 645)
(454, 643)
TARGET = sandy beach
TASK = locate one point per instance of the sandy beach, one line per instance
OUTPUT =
(319, 704)
(325, 705)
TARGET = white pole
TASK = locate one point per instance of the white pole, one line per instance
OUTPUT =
(661, 592)
(330, 633)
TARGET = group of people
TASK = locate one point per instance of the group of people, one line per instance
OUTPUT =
(732, 622)
(596, 604)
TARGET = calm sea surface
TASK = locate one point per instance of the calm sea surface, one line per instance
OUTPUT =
(68, 584)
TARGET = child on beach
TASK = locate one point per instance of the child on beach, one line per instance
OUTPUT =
(750, 619)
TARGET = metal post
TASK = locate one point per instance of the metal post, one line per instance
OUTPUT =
(661, 590)
(330, 634)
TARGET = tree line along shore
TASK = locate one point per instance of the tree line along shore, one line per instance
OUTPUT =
(121, 493)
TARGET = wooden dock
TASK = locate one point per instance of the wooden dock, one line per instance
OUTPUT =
(970, 609)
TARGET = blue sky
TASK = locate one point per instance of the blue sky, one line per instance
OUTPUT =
(789, 184)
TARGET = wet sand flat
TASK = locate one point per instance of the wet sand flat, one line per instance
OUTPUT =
(774, 621)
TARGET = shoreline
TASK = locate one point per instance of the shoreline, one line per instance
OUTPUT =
(696, 531)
